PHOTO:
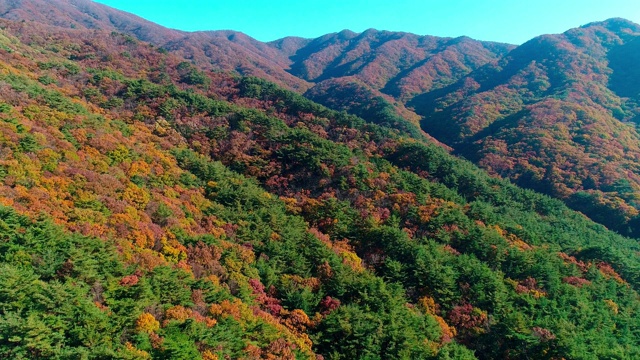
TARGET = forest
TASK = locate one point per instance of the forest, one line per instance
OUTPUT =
(151, 208)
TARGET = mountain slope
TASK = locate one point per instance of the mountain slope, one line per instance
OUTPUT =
(547, 115)
(390, 64)
(234, 51)
(215, 216)
(403, 63)
(85, 14)
(552, 115)
(184, 270)
(229, 51)
(399, 64)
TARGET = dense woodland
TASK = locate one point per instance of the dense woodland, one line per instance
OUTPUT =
(557, 114)
(153, 208)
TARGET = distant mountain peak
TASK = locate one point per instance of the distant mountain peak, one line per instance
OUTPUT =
(85, 14)
(347, 34)
(617, 25)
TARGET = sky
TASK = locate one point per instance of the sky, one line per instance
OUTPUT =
(509, 21)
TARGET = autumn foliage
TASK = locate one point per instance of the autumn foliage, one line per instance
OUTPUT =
(151, 208)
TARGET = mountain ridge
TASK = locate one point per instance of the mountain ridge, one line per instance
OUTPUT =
(151, 207)
(430, 84)
(189, 44)
(497, 114)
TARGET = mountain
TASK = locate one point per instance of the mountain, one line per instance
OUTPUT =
(153, 208)
(405, 63)
(394, 65)
(85, 14)
(398, 64)
(557, 114)
(234, 51)
(220, 50)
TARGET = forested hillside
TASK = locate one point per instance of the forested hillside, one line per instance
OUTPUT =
(221, 50)
(557, 114)
(399, 64)
(154, 210)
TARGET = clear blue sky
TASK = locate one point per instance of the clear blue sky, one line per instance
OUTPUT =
(511, 21)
